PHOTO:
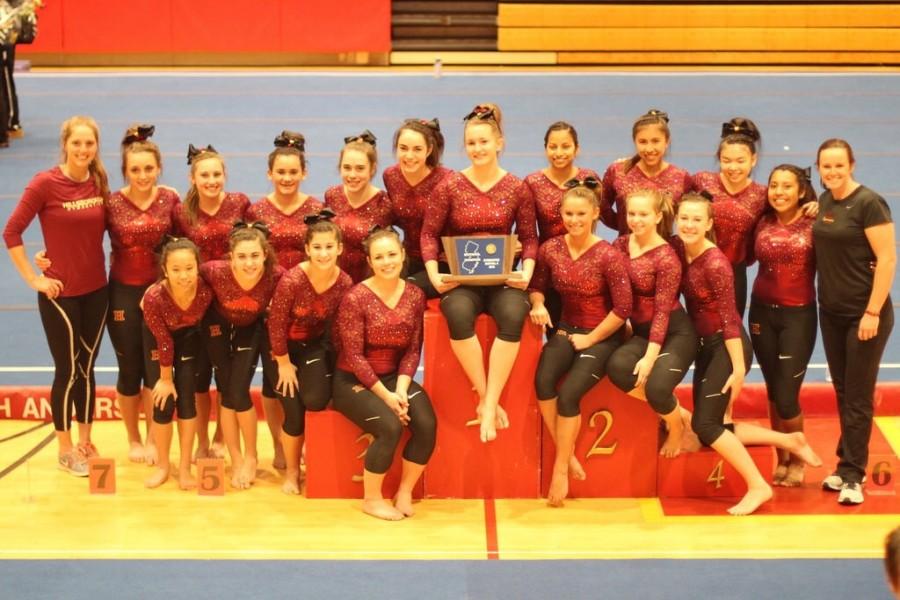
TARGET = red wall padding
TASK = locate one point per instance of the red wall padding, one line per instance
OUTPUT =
(228, 26)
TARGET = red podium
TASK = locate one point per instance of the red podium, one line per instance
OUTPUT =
(705, 474)
(335, 451)
(617, 446)
(462, 466)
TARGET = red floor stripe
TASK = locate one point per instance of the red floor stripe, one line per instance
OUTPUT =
(490, 529)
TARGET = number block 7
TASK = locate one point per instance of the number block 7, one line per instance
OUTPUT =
(102, 475)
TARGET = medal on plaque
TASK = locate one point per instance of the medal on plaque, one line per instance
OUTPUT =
(479, 259)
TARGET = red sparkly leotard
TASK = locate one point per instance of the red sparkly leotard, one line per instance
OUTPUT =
(708, 288)
(734, 215)
(409, 203)
(355, 224)
(287, 232)
(547, 199)
(136, 234)
(787, 262)
(163, 316)
(240, 307)
(617, 184)
(210, 232)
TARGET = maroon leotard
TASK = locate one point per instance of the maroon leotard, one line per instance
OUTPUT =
(163, 316)
(136, 234)
(617, 184)
(287, 232)
(211, 232)
(409, 203)
(734, 215)
(708, 287)
(655, 282)
(73, 219)
(355, 224)
(460, 208)
(590, 286)
(547, 199)
(298, 312)
(373, 339)
(787, 262)
(240, 307)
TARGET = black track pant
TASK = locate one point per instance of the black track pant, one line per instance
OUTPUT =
(740, 287)
(582, 369)
(675, 357)
(124, 324)
(854, 370)
(783, 339)
(372, 415)
(73, 327)
(187, 346)
(234, 351)
(712, 370)
(508, 306)
(314, 360)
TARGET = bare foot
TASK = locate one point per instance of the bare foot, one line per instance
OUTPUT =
(689, 441)
(779, 474)
(576, 471)
(404, 503)
(151, 456)
(236, 476)
(186, 481)
(279, 462)
(136, 452)
(794, 475)
(291, 485)
(754, 498)
(559, 488)
(802, 450)
(159, 477)
(248, 471)
(217, 450)
(502, 419)
(672, 446)
(201, 453)
(488, 424)
(381, 509)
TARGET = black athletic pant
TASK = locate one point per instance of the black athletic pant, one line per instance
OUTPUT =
(711, 371)
(854, 370)
(74, 327)
(124, 323)
(783, 339)
(582, 369)
(675, 357)
(8, 65)
(508, 306)
(740, 287)
(314, 360)
(234, 351)
(372, 415)
(415, 273)
(187, 346)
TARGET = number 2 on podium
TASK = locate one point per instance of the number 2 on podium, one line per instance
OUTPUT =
(596, 448)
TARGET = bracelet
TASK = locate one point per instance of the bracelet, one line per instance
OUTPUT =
(872, 313)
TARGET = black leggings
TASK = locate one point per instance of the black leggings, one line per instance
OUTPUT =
(372, 415)
(509, 307)
(234, 351)
(582, 369)
(314, 360)
(124, 323)
(73, 326)
(187, 346)
(740, 287)
(783, 339)
(854, 371)
(672, 363)
(415, 273)
(712, 370)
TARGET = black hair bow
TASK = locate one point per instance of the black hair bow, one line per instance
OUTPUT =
(366, 136)
(433, 124)
(139, 133)
(736, 129)
(589, 182)
(376, 228)
(480, 112)
(655, 112)
(193, 152)
(326, 214)
(290, 139)
(706, 194)
(258, 225)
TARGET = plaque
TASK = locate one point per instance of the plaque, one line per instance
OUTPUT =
(479, 259)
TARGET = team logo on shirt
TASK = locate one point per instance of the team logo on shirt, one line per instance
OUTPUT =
(83, 204)
(215, 330)
(358, 388)
(154, 355)
(119, 315)
(828, 218)
(755, 329)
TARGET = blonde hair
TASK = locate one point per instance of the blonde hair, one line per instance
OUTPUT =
(662, 204)
(96, 169)
(192, 197)
(488, 113)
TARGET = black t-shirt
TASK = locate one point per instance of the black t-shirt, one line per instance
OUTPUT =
(844, 259)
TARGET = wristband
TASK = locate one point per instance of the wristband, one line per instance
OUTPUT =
(872, 313)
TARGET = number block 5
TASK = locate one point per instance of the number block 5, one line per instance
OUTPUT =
(211, 477)
(617, 446)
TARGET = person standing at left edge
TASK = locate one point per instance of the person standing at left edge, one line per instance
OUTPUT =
(855, 258)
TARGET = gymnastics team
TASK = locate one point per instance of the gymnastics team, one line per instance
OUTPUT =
(330, 297)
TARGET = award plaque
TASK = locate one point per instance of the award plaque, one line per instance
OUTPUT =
(479, 259)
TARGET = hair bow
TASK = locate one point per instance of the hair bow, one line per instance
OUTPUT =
(655, 112)
(326, 214)
(139, 133)
(735, 129)
(290, 139)
(807, 174)
(258, 225)
(193, 152)
(376, 228)
(589, 182)
(366, 136)
(480, 112)
(706, 194)
(432, 124)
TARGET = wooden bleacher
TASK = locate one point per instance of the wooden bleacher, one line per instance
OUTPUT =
(761, 33)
